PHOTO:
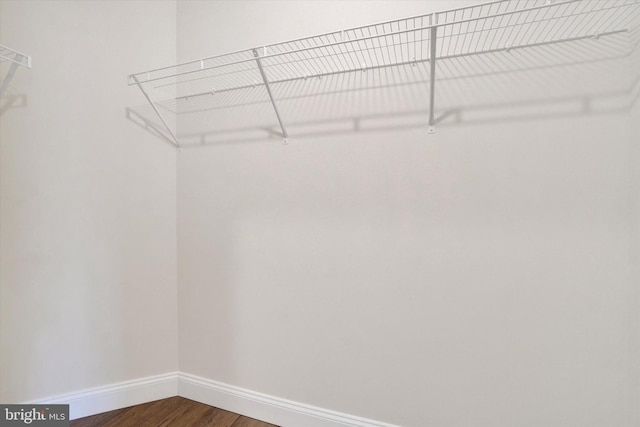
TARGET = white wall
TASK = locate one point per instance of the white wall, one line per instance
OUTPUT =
(481, 276)
(486, 275)
(87, 229)
(635, 154)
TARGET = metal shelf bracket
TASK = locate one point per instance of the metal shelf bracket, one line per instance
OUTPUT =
(268, 87)
(432, 74)
(166, 126)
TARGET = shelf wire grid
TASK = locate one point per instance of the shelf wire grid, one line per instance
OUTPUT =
(490, 28)
(476, 29)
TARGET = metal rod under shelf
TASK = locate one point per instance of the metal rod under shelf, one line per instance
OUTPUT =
(405, 63)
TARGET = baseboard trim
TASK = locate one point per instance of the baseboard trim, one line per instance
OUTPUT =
(275, 410)
(282, 412)
(115, 396)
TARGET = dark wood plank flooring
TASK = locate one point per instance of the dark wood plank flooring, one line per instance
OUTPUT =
(171, 412)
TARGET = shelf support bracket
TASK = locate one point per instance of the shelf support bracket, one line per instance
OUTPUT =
(166, 126)
(268, 87)
(432, 74)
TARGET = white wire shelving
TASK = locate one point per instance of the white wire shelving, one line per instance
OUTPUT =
(410, 49)
(15, 60)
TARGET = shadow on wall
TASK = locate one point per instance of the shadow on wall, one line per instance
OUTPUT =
(12, 100)
(576, 78)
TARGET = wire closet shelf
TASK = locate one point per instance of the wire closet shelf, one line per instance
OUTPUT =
(502, 25)
(15, 60)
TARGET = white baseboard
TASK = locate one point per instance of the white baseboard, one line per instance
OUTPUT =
(115, 396)
(275, 410)
(282, 412)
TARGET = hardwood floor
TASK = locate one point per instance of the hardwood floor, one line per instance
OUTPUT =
(171, 412)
